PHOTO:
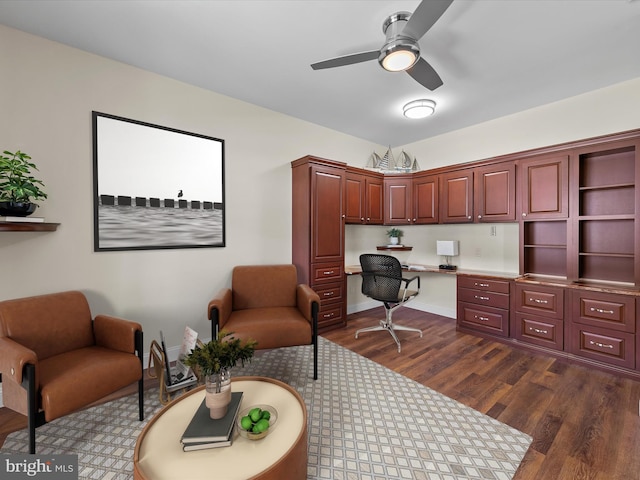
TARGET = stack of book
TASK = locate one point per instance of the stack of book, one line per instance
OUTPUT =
(204, 432)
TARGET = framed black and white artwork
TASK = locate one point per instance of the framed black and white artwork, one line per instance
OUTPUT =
(155, 187)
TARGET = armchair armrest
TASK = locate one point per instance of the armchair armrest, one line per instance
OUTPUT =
(219, 310)
(13, 358)
(407, 281)
(115, 333)
(305, 296)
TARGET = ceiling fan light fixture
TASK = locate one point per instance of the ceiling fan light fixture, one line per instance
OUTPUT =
(399, 55)
(399, 60)
(419, 109)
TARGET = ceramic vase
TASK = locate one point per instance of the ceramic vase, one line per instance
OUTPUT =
(218, 393)
(393, 240)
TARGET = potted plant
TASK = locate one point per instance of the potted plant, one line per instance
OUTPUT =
(18, 187)
(213, 360)
(394, 235)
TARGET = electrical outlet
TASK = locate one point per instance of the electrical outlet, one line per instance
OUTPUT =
(493, 231)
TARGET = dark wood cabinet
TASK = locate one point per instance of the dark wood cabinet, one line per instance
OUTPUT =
(364, 197)
(425, 192)
(544, 187)
(494, 191)
(483, 305)
(456, 196)
(318, 233)
(603, 215)
(398, 200)
(603, 328)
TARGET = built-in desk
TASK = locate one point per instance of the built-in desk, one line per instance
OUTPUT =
(421, 268)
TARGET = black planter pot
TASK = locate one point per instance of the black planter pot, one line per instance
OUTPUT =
(17, 209)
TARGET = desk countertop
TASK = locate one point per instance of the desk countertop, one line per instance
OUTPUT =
(420, 268)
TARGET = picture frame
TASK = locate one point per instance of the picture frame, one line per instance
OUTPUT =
(156, 187)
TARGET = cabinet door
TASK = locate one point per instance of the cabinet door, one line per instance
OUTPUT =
(544, 187)
(495, 193)
(354, 198)
(397, 198)
(456, 197)
(374, 200)
(327, 223)
(425, 199)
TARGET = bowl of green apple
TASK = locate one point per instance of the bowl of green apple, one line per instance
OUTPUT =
(256, 421)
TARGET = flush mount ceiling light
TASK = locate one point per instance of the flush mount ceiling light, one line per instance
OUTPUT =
(419, 108)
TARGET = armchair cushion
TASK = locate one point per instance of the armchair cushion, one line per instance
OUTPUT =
(259, 286)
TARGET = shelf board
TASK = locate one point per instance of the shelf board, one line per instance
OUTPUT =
(400, 248)
(28, 227)
(607, 187)
(544, 246)
(624, 216)
(617, 255)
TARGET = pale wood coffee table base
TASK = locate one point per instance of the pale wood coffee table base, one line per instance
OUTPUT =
(282, 454)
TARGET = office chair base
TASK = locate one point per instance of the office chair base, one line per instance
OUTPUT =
(389, 326)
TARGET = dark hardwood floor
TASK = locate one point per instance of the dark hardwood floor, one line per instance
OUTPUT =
(584, 423)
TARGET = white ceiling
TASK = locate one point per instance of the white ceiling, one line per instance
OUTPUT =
(496, 57)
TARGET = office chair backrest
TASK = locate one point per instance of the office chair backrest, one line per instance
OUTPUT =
(381, 277)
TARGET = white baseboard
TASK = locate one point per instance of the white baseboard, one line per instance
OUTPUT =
(423, 307)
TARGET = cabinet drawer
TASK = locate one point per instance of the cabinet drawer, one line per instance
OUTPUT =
(333, 292)
(326, 272)
(497, 286)
(539, 300)
(488, 319)
(547, 332)
(329, 314)
(498, 300)
(614, 348)
(607, 310)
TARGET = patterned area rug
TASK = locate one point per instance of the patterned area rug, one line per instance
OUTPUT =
(366, 422)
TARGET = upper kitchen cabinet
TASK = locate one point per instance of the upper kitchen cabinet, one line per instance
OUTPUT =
(364, 197)
(456, 196)
(398, 200)
(544, 187)
(495, 193)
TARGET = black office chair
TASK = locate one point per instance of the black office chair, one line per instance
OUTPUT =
(382, 280)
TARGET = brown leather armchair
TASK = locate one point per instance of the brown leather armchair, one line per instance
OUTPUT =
(55, 359)
(265, 303)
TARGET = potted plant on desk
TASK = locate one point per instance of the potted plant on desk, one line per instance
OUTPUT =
(395, 234)
(214, 361)
(18, 187)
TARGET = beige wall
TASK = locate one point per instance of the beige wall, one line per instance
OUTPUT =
(47, 96)
(47, 93)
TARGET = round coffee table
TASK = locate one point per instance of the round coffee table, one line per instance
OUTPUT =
(281, 454)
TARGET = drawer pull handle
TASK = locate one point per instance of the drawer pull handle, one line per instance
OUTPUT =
(480, 284)
(483, 319)
(479, 297)
(599, 310)
(537, 330)
(601, 345)
(328, 294)
(328, 272)
(328, 315)
(537, 300)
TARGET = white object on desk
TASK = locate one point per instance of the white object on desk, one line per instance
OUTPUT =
(447, 248)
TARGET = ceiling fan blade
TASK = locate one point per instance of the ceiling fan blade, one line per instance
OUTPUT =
(346, 60)
(427, 13)
(425, 75)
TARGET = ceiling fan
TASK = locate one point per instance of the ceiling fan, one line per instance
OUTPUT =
(401, 51)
